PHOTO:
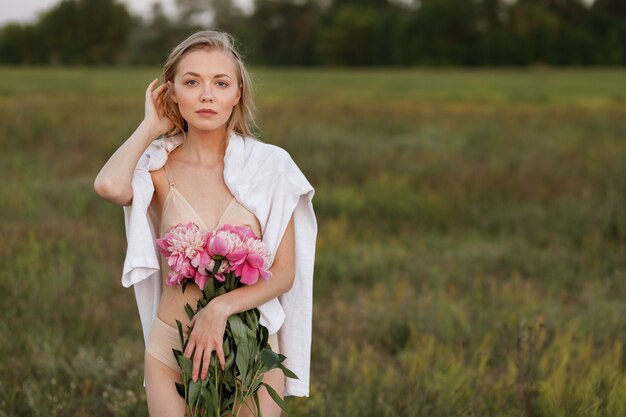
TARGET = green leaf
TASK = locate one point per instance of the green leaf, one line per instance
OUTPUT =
(281, 403)
(270, 359)
(238, 328)
(254, 387)
(226, 347)
(247, 315)
(230, 358)
(214, 365)
(206, 397)
(229, 378)
(228, 282)
(288, 372)
(251, 335)
(189, 311)
(194, 391)
(242, 358)
(180, 388)
(209, 289)
(185, 363)
(264, 337)
(214, 397)
(181, 337)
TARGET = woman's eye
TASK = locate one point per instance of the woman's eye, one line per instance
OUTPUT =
(222, 83)
(189, 82)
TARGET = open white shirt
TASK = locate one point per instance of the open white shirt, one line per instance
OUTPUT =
(265, 180)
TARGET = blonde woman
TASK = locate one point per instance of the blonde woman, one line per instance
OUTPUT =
(194, 158)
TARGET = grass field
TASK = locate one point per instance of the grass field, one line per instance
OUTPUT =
(471, 256)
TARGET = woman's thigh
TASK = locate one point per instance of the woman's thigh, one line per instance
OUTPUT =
(162, 397)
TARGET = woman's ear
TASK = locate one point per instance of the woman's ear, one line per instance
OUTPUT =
(172, 93)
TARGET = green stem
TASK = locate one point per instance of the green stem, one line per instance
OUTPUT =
(187, 406)
(236, 394)
(219, 394)
(245, 396)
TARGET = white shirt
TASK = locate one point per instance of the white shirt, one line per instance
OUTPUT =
(264, 179)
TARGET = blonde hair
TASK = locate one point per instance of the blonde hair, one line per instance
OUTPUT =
(241, 120)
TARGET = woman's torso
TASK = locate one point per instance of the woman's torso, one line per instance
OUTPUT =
(175, 209)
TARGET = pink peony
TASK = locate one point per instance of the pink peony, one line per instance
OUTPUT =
(201, 278)
(192, 254)
(226, 244)
(255, 265)
(204, 261)
(181, 245)
(244, 232)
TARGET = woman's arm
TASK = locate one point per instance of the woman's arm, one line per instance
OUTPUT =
(113, 182)
(209, 324)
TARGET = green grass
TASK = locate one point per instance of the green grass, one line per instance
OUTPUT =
(471, 256)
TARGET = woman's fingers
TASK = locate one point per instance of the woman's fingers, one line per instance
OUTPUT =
(189, 349)
(159, 90)
(206, 361)
(198, 357)
(150, 87)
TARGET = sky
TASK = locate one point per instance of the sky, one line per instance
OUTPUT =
(27, 10)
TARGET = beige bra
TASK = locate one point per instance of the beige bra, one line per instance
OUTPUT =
(177, 209)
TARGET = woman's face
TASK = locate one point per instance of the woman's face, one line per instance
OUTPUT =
(206, 88)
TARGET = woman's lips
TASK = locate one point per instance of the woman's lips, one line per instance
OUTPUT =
(206, 112)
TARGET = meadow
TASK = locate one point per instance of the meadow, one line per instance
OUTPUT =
(471, 255)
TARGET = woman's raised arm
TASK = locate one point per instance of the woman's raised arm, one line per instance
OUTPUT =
(113, 182)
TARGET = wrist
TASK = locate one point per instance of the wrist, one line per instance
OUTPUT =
(223, 307)
(148, 130)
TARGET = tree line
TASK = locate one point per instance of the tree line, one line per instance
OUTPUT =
(332, 32)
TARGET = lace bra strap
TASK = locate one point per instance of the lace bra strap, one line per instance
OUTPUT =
(169, 175)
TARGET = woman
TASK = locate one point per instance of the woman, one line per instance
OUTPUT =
(206, 167)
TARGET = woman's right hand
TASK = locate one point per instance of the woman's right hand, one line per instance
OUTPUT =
(154, 115)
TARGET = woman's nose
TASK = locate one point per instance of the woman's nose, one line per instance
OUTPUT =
(207, 94)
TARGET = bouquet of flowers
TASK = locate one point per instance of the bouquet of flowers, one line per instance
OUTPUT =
(220, 261)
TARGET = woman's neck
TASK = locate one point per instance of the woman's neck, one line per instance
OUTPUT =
(204, 147)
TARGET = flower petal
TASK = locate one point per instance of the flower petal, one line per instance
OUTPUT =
(249, 275)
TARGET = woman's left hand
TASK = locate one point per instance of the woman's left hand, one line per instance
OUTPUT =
(207, 335)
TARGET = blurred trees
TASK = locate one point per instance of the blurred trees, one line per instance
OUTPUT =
(85, 32)
(152, 40)
(335, 32)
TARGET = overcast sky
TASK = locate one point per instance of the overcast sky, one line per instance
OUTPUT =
(27, 10)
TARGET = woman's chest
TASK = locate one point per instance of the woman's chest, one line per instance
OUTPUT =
(177, 209)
